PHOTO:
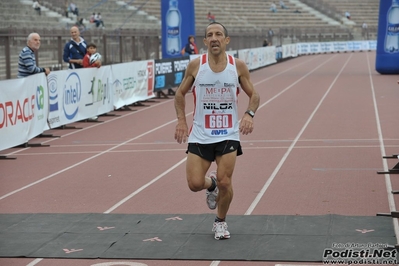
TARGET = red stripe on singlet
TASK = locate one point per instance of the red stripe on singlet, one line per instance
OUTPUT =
(231, 60)
(203, 59)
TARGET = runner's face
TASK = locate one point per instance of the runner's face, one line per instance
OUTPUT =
(215, 39)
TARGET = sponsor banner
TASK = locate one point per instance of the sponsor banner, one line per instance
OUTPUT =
(372, 45)
(340, 46)
(333, 47)
(178, 22)
(79, 94)
(387, 44)
(23, 110)
(289, 50)
(314, 47)
(303, 48)
(258, 57)
(169, 73)
(132, 82)
(326, 47)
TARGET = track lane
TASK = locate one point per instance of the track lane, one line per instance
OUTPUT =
(247, 179)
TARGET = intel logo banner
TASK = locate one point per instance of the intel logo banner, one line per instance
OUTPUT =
(76, 95)
(71, 95)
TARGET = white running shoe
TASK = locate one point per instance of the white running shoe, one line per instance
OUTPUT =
(212, 195)
(220, 229)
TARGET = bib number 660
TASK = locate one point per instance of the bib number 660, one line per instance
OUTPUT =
(218, 121)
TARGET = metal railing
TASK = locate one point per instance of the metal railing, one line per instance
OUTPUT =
(122, 45)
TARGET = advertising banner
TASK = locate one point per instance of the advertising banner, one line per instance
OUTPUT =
(76, 95)
(23, 110)
(258, 57)
(387, 55)
(169, 73)
(289, 50)
(132, 82)
(178, 23)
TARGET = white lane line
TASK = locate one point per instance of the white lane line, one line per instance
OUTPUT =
(34, 262)
(95, 125)
(86, 160)
(184, 149)
(283, 159)
(388, 183)
(214, 263)
(144, 187)
(270, 179)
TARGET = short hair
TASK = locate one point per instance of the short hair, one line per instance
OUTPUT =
(91, 45)
(189, 37)
(224, 28)
(30, 36)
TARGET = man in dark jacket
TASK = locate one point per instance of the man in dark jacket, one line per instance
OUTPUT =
(75, 49)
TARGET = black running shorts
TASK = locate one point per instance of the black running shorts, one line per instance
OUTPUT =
(210, 151)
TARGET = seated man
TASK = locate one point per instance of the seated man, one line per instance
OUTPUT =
(273, 7)
(282, 5)
(211, 17)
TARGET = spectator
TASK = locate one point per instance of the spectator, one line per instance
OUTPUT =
(67, 9)
(365, 32)
(282, 5)
(265, 43)
(270, 35)
(191, 47)
(75, 49)
(297, 11)
(91, 49)
(98, 20)
(27, 60)
(74, 9)
(92, 18)
(273, 7)
(210, 17)
(74, 52)
(80, 24)
(348, 15)
(36, 6)
(124, 4)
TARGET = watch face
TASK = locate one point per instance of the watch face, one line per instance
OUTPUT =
(250, 113)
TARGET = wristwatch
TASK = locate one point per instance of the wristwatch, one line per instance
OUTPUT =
(251, 113)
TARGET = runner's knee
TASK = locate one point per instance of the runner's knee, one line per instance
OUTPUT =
(195, 185)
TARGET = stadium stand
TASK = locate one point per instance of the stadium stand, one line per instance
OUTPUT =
(317, 20)
(361, 11)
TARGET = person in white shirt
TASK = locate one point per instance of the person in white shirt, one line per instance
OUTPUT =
(273, 7)
(282, 5)
(36, 6)
(98, 20)
(215, 79)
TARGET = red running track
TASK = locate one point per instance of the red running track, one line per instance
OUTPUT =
(322, 127)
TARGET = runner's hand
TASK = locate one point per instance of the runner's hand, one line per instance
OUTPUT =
(181, 132)
(246, 124)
